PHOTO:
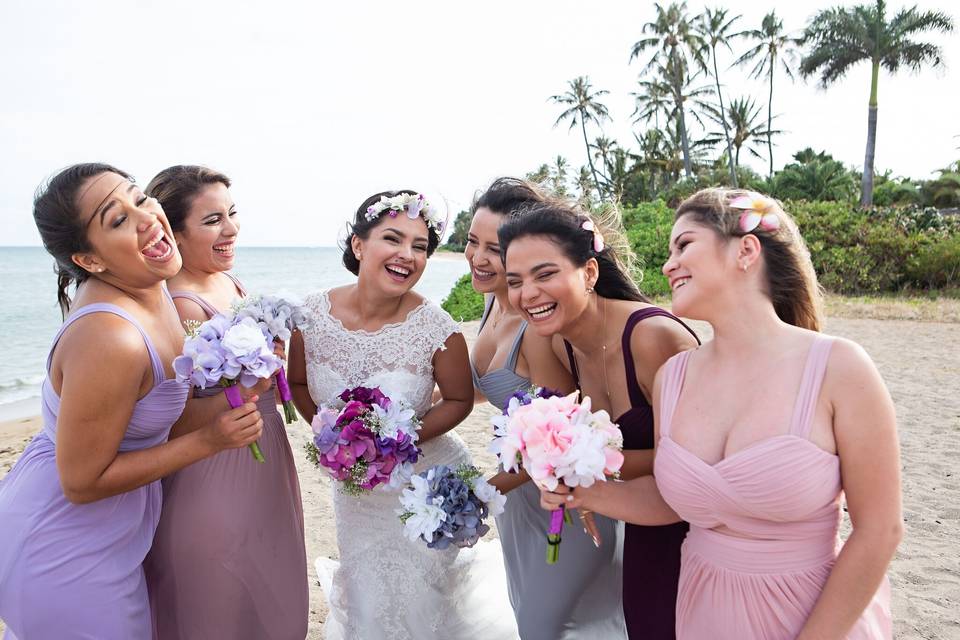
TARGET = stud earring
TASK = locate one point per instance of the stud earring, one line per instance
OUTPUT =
(589, 290)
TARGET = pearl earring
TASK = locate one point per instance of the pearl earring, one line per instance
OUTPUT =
(589, 290)
(743, 268)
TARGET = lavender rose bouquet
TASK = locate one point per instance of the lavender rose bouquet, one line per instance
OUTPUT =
(226, 352)
(368, 441)
(277, 316)
(447, 506)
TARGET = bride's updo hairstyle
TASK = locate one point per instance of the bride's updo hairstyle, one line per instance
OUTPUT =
(361, 227)
(791, 282)
(563, 224)
(57, 215)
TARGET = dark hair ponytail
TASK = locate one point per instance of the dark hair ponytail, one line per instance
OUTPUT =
(361, 227)
(56, 213)
(563, 223)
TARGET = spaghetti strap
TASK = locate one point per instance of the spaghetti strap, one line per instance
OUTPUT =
(637, 398)
(208, 308)
(236, 282)
(674, 371)
(810, 384)
(511, 363)
(573, 365)
(104, 307)
(487, 306)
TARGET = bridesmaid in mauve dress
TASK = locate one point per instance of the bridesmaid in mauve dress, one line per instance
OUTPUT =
(80, 506)
(564, 274)
(228, 559)
(754, 430)
(579, 596)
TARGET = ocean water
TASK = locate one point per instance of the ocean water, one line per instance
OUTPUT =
(29, 315)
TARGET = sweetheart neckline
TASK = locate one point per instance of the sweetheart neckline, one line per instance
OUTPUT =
(751, 446)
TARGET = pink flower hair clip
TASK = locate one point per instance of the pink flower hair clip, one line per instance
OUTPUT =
(598, 244)
(758, 211)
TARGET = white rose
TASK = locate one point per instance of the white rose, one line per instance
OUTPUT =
(244, 337)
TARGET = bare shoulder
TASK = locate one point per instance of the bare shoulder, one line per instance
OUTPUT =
(98, 337)
(849, 367)
(189, 310)
(659, 337)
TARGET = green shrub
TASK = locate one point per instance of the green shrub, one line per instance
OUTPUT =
(648, 228)
(854, 251)
(463, 303)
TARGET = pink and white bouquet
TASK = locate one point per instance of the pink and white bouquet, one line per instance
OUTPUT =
(277, 316)
(446, 506)
(557, 440)
(226, 352)
(367, 441)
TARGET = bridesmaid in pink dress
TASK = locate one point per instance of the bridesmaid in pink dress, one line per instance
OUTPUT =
(228, 559)
(762, 432)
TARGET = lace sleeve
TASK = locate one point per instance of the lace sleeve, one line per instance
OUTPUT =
(438, 326)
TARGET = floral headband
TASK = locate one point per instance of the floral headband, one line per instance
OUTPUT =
(597, 237)
(414, 204)
(758, 211)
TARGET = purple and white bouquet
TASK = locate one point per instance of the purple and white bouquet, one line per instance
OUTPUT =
(226, 352)
(369, 440)
(277, 316)
(445, 506)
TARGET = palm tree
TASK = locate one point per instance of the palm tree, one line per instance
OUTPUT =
(583, 106)
(773, 45)
(653, 99)
(603, 148)
(839, 38)
(748, 130)
(673, 39)
(558, 176)
(716, 30)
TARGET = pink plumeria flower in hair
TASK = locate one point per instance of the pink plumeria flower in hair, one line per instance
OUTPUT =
(597, 238)
(758, 211)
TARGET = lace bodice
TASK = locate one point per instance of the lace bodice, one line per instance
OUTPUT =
(398, 357)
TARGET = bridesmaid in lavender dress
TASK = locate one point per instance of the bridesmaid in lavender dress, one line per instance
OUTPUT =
(763, 431)
(80, 506)
(228, 559)
(564, 275)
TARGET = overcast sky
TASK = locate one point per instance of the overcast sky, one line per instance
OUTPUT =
(309, 107)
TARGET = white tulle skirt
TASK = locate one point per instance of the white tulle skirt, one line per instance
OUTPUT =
(387, 587)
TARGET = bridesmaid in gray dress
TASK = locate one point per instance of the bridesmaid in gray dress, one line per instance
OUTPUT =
(580, 596)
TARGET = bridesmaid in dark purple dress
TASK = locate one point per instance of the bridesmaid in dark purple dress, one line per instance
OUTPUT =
(567, 279)
(228, 559)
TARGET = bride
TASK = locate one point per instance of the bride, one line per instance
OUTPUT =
(378, 332)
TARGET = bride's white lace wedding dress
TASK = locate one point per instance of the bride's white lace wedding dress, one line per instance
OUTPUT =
(384, 586)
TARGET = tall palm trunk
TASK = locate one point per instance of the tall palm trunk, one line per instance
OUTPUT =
(770, 115)
(682, 123)
(723, 119)
(596, 181)
(866, 185)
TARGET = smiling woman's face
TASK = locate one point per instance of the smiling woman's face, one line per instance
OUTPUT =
(548, 289)
(210, 230)
(131, 239)
(394, 255)
(483, 251)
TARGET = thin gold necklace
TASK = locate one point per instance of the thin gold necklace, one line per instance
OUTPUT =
(603, 349)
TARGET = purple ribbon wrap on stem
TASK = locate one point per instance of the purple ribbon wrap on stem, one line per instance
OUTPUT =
(236, 399)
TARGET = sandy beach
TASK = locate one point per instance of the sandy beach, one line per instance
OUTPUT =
(920, 362)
